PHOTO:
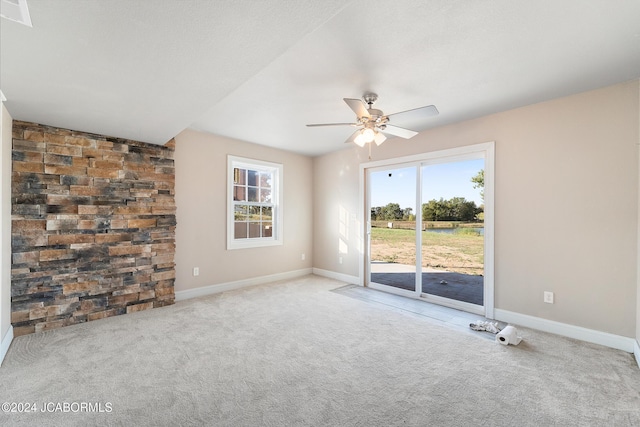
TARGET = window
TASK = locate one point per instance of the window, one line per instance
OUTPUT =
(254, 205)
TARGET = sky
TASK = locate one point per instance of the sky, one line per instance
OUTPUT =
(446, 180)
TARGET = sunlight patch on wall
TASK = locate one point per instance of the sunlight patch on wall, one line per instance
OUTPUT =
(16, 10)
(343, 232)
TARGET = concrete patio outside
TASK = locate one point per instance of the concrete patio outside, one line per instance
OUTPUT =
(456, 286)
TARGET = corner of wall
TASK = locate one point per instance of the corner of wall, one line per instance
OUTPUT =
(5, 343)
(347, 278)
(6, 332)
(637, 353)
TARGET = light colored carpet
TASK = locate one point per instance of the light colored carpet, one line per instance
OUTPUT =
(295, 353)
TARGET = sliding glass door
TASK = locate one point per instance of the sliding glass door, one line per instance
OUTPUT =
(393, 227)
(453, 231)
(426, 234)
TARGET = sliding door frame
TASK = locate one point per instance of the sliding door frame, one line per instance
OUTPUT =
(485, 151)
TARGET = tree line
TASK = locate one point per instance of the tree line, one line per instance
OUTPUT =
(454, 209)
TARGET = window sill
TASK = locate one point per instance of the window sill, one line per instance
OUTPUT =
(248, 244)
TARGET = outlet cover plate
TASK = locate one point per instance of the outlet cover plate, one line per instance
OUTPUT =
(548, 297)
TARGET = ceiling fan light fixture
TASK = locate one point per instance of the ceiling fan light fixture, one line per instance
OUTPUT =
(380, 138)
(368, 135)
(359, 140)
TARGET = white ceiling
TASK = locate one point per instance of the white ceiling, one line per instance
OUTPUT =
(259, 70)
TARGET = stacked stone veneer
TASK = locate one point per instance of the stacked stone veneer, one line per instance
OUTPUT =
(93, 227)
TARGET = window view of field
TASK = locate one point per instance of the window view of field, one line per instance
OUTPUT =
(459, 249)
(452, 230)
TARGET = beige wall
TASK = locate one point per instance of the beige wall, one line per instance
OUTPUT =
(5, 222)
(336, 230)
(566, 204)
(201, 188)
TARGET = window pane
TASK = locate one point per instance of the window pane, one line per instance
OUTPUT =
(253, 194)
(254, 213)
(239, 193)
(240, 230)
(240, 213)
(239, 176)
(265, 179)
(267, 229)
(267, 213)
(265, 195)
(254, 230)
(253, 178)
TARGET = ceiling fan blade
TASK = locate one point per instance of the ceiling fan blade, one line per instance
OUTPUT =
(358, 107)
(414, 115)
(352, 138)
(331, 124)
(398, 131)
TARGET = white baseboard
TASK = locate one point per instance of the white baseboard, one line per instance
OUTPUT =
(355, 280)
(223, 287)
(6, 342)
(590, 335)
(636, 351)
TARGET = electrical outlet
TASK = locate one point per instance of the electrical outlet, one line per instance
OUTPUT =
(548, 297)
(340, 260)
(196, 271)
(303, 257)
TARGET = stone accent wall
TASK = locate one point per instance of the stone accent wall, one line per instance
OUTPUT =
(93, 227)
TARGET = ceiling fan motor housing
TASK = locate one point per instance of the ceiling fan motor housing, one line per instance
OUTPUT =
(376, 116)
(374, 113)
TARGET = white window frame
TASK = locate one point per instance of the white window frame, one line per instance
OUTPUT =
(277, 197)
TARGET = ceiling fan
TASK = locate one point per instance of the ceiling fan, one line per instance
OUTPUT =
(372, 124)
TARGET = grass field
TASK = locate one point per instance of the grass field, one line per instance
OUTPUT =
(461, 252)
